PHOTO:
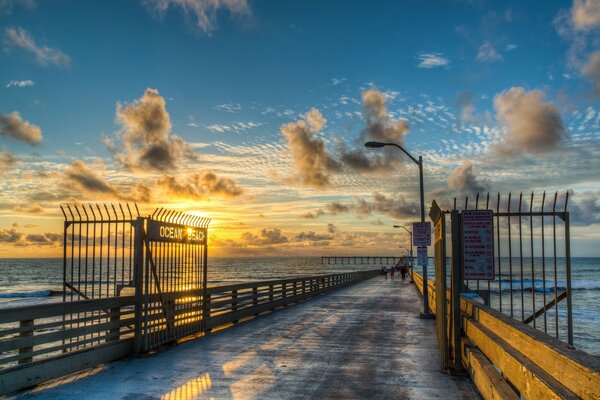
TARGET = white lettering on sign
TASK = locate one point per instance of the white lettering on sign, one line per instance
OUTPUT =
(421, 234)
(159, 231)
(478, 244)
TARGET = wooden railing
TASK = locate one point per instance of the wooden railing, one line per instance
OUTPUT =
(507, 359)
(42, 342)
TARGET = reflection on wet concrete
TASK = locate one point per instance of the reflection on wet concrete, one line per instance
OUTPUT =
(361, 342)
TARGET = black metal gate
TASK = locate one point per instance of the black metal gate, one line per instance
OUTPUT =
(161, 260)
(532, 260)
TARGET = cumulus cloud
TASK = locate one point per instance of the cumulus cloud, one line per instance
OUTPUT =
(463, 180)
(432, 60)
(205, 11)
(17, 37)
(487, 53)
(30, 208)
(592, 70)
(264, 238)
(532, 124)
(13, 125)
(7, 161)
(44, 239)
(26, 83)
(146, 135)
(381, 128)
(312, 162)
(200, 186)
(585, 14)
(90, 184)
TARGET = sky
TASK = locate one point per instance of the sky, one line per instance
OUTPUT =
(255, 113)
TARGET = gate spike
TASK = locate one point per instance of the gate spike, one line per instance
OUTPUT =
(73, 217)
(136, 209)
(543, 201)
(487, 201)
(87, 217)
(566, 200)
(63, 211)
(92, 210)
(129, 210)
(555, 198)
(122, 213)
(77, 211)
(477, 201)
(508, 208)
(155, 211)
(114, 210)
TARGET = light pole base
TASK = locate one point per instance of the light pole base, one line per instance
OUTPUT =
(426, 316)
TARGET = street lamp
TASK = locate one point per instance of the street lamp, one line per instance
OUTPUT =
(419, 162)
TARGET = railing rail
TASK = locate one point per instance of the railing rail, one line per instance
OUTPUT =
(42, 342)
(531, 363)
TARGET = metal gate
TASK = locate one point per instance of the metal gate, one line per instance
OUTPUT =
(161, 260)
(532, 260)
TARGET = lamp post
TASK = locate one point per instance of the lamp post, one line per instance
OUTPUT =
(419, 162)
(411, 247)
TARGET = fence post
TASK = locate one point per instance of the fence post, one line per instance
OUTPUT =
(138, 272)
(26, 333)
(456, 284)
(206, 311)
(113, 333)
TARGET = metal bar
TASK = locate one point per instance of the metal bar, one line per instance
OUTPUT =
(544, 265)
(510, 266)
(531, 256)
(555, 266)
(546, 307)
(498, 252)
(568, 272)
(521, 257)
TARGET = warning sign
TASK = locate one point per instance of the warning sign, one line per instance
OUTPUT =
(421, 234)
(478, 244)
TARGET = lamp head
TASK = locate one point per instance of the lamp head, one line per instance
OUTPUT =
(374, 145)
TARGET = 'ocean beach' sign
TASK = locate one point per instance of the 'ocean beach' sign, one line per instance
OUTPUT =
(158, 231)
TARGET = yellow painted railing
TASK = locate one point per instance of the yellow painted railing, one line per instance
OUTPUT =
(507, 358)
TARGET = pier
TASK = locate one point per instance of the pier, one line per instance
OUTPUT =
(363, 260)
(362, 341)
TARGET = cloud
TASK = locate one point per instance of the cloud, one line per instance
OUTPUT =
(20, 83)
(6, 6)
(331, 228)
(396, 206)
(146, 135)
(30, 208)
(85, 179)
(7, 161)
(311, 236)
(200, 186)
(592, 70)
(463, 180)
(585, 14)
(205, 11)
(381, 128)
(487, 53)
(13, 125)
(17, 37)
(44, 239)
(583, 209)
(312, 163)
(532, 124)
(265, 237)
(465, 105)
(10, 236)
(432, 60)
(229, 107)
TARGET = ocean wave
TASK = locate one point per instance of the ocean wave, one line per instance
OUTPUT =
(539, 287)
(37, 293)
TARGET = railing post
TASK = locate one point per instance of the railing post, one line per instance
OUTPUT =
(271, 295)
(234, 296)
(206, 312)
(138, 272)
(284, 293)
(26, 333)
(114, 332)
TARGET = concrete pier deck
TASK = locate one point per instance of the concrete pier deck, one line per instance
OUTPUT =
(361, 342)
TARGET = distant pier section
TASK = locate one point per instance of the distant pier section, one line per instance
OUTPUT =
(364, 260)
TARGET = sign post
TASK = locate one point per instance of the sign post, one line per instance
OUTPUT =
(422, 256)
(478, 244)
(421, 234)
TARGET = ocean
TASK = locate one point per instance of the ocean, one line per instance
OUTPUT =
(39, 280)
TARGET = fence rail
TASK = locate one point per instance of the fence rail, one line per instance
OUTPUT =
(41, 342)
(507, 359)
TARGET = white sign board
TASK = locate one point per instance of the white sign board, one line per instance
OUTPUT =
(421, 234)
(422, 256)
(478, 244)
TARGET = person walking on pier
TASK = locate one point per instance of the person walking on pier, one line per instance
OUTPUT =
(392, 270)
(403, 271)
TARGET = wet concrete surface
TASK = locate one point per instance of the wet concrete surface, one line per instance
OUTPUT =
(361, 342)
